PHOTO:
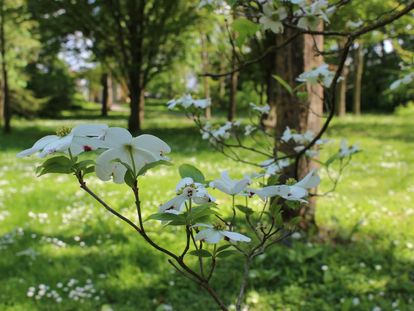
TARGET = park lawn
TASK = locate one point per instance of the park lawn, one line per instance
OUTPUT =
(52, 234)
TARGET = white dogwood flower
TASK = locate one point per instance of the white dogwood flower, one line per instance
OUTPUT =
(136, 152)
(320, 74)
(214, 234)
(262, 109)
(228, 185)
(249, 129)
(186, 101)
(294, 192)
(345, 150)
(272, 18)
(273, 167)
(186, 189)
(81, 138)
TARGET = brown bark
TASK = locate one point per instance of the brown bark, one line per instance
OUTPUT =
(234, 78)
(1, 104)
(204, 64)
(341, 98)
(5, 76)
(106, 82)
(290, 111)
(222, 85)
(359, 69)
(136, 98)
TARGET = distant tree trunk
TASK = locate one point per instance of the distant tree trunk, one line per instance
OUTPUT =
(222, 85)
(1, 105)
(204, 64)
(136, 99)
(107, 95)
(6, 91)
(341, 98)
(234, 77)
(289, 62)
(268, 67)
(359, 69)
(141, 111)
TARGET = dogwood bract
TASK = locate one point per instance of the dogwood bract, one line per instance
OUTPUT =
(345, 151)
(272, 18)
(81, 138)
(214, 234)
(186, 101)
(262, 109)
(320, 74)
(294, 192)
(228, 185)
(186, 189)
(136, 152)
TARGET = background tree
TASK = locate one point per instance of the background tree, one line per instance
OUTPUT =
(18, 46)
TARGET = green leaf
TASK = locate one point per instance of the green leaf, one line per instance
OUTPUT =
(129, 178)
(163, 216)
(59, 164)
(332, 159)
(187, 170)
(244, 28)
(89, 170)
(198, 212)
(200, 253)
(295, 220)
(273, 180)
(302, 95)
(83, 164)
(227, 253)
(283, 83)
(245, 209)
(222, 248)
(149, 166)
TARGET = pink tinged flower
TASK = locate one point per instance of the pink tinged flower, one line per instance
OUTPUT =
(136, 152)
(212, 235)
(228, 185)
(75, 141)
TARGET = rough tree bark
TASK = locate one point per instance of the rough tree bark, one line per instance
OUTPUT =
(204, 65)
(234, 78)
(341, 98)
(107, 94)
(359, 69)
(5, 75)
(290, 111)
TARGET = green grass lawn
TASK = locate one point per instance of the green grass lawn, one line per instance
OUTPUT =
(55, 238)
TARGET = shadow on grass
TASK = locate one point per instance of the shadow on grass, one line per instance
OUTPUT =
(402, 131)
(138, 278)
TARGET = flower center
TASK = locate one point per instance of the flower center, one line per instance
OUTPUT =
(63, 131)
(219, 226)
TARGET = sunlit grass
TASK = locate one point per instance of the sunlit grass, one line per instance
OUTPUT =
(79, 240)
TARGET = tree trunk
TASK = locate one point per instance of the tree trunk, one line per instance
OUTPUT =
(222, 86)
(1, 104)
(359, 69)
(234, 77)
(6, 91)
(105, 95)
(204, 64)
(135, 97)
(341, 98)
(290, 111)
(141, 110)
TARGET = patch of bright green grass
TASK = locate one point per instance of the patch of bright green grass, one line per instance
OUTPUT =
(110, 265)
